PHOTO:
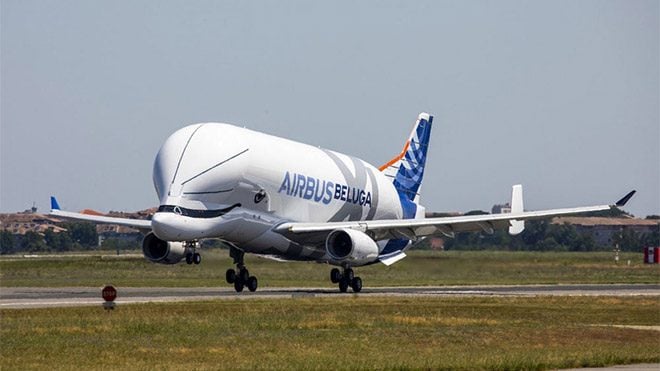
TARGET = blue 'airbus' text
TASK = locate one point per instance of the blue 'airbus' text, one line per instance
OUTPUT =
(310, 188)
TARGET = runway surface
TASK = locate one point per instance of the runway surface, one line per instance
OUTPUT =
(40, 297)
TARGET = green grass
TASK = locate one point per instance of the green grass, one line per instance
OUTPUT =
(352, 332)
(419, 268)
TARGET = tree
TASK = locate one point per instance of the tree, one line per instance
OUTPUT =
(628, 240)
(83, 233)
(535, 232)
(58, 241)
(33, 242)
(610, 213)
(6, 242)
(565, 234)
(651, 239)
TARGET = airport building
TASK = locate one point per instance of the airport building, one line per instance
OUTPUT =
(604, 229)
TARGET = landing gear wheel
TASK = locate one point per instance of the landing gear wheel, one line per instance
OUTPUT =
(343, 284)
(335, 275)
(348, 273)
(230, 276)
(196, 258)
(238, 285)
(189, 258)
(252, 284)
(356, 284)
(244, 274)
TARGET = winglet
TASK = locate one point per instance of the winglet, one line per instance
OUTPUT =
(53, 203)
(622, 202)
(517, 226)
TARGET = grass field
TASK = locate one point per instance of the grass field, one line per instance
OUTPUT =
(352, 332)
(419, 268)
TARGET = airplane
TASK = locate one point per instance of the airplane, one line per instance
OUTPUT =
(286, 200)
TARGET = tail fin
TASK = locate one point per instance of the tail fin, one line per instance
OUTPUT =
(407, 168)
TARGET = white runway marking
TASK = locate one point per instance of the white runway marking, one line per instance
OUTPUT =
(41, 297)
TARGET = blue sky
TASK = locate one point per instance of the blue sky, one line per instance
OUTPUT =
(561, 96)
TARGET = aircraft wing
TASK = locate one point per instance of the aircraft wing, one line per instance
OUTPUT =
(412, 229)
(142, 225)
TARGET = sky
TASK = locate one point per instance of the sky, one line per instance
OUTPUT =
(561, 96)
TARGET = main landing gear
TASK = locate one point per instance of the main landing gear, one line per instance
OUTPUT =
(242, 278)
(346, 279)
(192, 256)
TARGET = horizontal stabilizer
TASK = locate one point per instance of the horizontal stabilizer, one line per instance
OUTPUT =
(390, 259)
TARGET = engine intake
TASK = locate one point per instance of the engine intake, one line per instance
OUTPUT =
(350, 245)
(163, 252)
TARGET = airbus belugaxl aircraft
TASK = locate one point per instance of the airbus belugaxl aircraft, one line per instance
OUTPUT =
(290, 201)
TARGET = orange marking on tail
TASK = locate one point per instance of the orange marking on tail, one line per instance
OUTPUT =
(396, 158)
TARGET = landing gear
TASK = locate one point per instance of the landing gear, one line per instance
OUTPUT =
(192, 256)
(241, 279)
(252, 284)
(356, 284)
(335, 275)
(231, 276)
(346, 279)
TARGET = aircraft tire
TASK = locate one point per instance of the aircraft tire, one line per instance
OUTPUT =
(196, 258)
(238, 285)
(189, 258)
(230, 276)
(356, 284)
(343, 284)
(335, 275)
(252, 283)
(244, 274)
(348, 273)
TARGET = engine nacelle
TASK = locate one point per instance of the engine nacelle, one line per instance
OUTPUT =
(163, 252)
(350, 245)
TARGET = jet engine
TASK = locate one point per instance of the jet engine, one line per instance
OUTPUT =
(164, 252)
(352, 246)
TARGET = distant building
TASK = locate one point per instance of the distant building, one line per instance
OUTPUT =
(604, 229)
(117, 232)
(29, 221)
(501, 209)
(22, 223)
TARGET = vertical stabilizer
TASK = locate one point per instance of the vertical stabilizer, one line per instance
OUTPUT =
(407, 168)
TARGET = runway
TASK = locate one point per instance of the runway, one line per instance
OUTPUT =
(40, 297)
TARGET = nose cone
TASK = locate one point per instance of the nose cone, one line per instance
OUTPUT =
(174, 227)
(166, 227)
(202, 162)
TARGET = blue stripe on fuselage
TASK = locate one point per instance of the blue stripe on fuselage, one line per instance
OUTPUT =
(409, 210)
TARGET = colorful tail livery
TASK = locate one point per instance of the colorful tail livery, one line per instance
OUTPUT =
(407, 169)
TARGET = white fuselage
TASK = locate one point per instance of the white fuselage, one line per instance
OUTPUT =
(207, 167)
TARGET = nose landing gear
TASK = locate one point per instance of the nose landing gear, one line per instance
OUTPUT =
(242, 278)
(192, 256)
(346, 279)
